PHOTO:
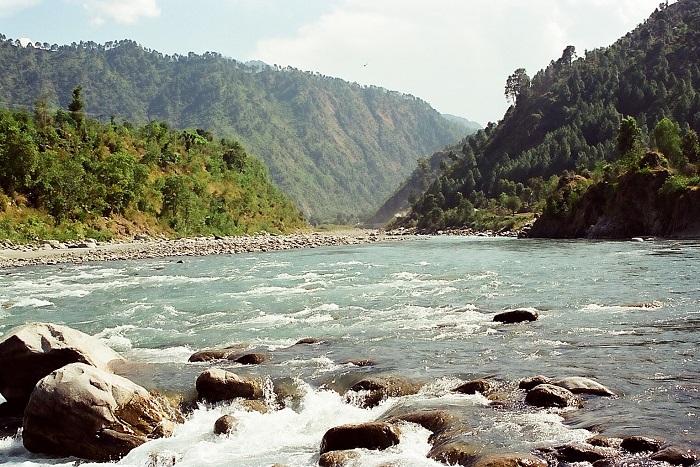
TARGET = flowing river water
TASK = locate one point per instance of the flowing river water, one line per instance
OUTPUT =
(626, 314)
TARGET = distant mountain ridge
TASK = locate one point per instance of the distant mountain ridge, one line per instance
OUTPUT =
(337, 148)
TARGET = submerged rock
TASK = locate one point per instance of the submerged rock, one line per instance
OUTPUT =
(373, 435)
(516, 316)
(216, 385)
(82, 411)
(32, 351)
(549, 395)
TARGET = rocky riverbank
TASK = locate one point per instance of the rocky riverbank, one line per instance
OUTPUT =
(54, 252)
(48, 372)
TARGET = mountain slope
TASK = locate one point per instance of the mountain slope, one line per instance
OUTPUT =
(338, 149)
(567, 116)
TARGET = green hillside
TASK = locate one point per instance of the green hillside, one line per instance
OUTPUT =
(66, 176)
(566, 118)
(337, 148)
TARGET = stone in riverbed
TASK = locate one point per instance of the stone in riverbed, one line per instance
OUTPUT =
(82, 411)
(373, 435)
(516, 316)
(337, 458)
(510, 460)
(252, 359)
(216, 385)
(32, 351)
(580, 385)
(370, 391)
(472, 387)
(583, 453)
(676, 455)
(549, 395)
(225, 424)
(635, 444)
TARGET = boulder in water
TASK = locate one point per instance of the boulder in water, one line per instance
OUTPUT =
(373, 390)
(549, 395)
(472, 387)
(373, 435)
(635, 444)
(225, 424)
(533, 381)
(337, 458)
(252, 359)
(216, 385)
(580, 385)
(82, 411)
(510, 460)
(583, 453)
(31, 352)
(516, 316)
(676, 455)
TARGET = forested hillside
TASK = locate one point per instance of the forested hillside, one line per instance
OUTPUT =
(66, 176)
(567, 116)
(337, 148)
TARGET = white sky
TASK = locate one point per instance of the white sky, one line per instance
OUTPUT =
(454, 54)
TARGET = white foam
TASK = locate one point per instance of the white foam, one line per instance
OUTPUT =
(29, 302)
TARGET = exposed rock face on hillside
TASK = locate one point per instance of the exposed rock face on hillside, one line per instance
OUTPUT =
(634, 206)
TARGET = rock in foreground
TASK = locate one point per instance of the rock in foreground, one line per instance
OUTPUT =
(85, 412)
(31, 352)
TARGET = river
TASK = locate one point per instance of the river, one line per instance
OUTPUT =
(626, 314)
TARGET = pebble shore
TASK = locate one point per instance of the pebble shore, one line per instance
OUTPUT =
(51, 252)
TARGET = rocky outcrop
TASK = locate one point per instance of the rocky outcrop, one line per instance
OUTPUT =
(31, 352)
(216, 385)
(633, 206)
(373, 435)
(82, 411)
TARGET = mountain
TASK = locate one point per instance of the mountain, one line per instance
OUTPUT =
(567, 117)
(471, 127)
(337, 148)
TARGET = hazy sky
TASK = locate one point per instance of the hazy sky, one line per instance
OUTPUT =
(454, 54)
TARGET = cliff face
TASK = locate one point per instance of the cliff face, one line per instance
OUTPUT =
(634, 206)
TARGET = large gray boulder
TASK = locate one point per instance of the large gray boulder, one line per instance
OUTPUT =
(32, 351)
(82, 411)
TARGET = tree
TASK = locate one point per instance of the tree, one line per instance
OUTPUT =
(517, 85)
(691, 146)
(667, 134)
(629, 135)
(77, 107)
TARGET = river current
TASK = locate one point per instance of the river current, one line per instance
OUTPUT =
(626, 314)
